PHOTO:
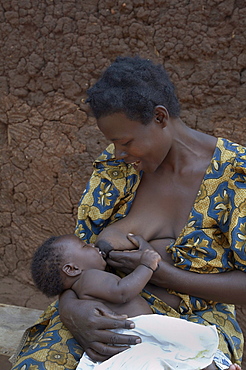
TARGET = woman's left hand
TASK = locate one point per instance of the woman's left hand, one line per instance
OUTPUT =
(127, 261)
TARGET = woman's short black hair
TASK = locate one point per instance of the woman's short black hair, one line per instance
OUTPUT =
(45, 268)
(133, 86)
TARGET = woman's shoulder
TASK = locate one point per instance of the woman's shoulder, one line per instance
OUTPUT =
(106, 163)
(229, 146)
(233, 154)
(106, 155)
(107, 159)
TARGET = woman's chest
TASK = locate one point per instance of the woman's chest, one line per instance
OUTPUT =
(161, 207)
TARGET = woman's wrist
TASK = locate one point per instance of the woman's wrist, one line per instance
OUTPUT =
(164, 276)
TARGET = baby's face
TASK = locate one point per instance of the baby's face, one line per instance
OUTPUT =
(85, 256)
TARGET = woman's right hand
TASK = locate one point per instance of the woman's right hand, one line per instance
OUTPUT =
(127, 261)
(112, 238)
(89, 321)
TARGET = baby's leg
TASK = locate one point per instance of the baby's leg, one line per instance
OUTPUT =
(235, 367)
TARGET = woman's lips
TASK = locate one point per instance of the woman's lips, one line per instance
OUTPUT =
(136, 164)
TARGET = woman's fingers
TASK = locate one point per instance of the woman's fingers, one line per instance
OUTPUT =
(111, 338)
(90, 322)
(105, 318)
(105, 311)
(119, 266)
(139, 241)
(133, 239)
(101, 352)
(106, 340)
(124, 260)
(108, 344)
(107, 322)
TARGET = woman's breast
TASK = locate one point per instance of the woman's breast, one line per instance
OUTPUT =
(150, 222)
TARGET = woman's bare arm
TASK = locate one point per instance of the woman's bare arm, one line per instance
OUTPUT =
(225, 287)
(90, 323)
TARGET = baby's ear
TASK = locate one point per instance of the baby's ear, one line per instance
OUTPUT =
(71, 269)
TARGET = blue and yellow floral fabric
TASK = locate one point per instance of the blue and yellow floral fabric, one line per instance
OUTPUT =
(212, 241)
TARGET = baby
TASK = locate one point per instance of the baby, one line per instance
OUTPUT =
(116, 237)
(67, 262)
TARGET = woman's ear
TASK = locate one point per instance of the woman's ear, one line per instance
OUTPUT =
(71, 269)
(161, 115)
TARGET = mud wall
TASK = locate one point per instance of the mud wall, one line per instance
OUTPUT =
(53, 50)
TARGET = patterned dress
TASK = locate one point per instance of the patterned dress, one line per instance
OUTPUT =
(212, 241)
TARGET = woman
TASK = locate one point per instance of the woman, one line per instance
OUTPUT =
(174, 183)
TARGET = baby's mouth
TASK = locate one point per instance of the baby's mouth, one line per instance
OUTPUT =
(104, 248)
(103, 254)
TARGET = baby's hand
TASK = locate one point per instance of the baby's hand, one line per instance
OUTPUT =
(150, 258)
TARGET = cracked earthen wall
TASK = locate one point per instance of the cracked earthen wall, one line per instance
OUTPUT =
(53, 50)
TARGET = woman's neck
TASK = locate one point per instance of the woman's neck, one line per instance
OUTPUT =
(188, 147)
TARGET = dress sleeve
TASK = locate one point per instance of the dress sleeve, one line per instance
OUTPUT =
(108, 197)
(237, 228)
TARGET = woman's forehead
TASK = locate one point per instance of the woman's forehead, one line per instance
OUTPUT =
(117, 125)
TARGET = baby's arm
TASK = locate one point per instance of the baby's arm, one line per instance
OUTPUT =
(109, 287)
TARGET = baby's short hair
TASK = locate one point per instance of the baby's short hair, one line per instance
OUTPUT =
(46, 267)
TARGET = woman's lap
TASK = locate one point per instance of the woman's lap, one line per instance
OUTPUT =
(221, 315)
(50, 346)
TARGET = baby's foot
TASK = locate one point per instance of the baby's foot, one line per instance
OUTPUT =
(234, 367)
(214, 367)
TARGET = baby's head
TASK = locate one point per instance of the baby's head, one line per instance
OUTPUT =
(59, 262)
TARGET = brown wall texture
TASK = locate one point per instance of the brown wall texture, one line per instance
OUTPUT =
(51, 52)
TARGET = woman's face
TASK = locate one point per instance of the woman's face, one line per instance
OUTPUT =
(144, 146)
